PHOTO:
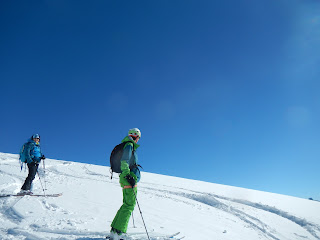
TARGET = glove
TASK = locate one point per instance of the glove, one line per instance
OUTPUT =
(43, 157)
(130, 180)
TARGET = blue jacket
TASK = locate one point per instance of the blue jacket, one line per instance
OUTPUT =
(33, 151)
(129, 159)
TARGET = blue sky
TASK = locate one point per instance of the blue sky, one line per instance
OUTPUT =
(223, 91)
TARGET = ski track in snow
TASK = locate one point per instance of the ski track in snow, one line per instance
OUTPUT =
(63, 224)
(212, 201)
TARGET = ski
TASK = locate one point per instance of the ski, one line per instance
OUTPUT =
(173, 235)
(31, 195)
(179, 238)
(11, 195)
(133, 234)
(153, 236)
(140, 233)
(46, 195)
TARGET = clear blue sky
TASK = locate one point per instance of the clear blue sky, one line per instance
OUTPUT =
(223, 91)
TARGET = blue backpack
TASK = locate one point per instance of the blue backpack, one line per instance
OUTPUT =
(23, 153)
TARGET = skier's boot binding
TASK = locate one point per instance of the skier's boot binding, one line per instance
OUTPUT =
(25, 192)
(116, 234)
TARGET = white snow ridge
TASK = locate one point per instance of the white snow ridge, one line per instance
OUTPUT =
(194, 209)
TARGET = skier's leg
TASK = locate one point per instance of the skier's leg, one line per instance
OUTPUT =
(122, 218)
(33, 167)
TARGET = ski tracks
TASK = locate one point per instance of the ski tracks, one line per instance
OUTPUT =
(23, 216)
(312, 228)
(245, 211)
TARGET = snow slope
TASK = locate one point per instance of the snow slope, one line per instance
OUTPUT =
(198, 210)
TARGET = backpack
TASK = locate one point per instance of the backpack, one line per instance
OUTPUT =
(115, 158)
(23, 153)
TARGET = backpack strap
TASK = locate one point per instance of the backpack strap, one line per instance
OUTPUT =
(132, 146)
(23, 164)
(136, 166)
(111, 173)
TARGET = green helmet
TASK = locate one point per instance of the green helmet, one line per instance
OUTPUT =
(134, 132)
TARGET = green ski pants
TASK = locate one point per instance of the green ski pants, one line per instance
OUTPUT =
(121, 220)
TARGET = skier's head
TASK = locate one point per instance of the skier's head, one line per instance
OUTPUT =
(134, 134)
(35, 137)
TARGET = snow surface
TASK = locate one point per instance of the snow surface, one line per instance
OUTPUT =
(198, 210)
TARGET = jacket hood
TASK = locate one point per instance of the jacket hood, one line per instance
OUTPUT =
(127, 139)
(30, 140)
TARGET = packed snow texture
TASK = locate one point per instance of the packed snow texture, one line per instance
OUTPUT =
(198, 210)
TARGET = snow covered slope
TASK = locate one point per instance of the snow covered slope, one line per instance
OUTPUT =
(198, 210)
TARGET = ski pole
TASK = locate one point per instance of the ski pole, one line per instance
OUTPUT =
(44, 176)
(134, 226)
(41, 184)
(140, 212)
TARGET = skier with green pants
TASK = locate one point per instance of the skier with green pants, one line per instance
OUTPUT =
(129, 177)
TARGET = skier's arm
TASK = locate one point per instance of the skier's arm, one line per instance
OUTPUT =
(127, 152)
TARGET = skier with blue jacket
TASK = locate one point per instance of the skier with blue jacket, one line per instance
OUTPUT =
(32, 156)
(129, 177)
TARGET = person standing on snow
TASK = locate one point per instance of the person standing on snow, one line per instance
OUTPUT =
(128, 179)
(33, 157)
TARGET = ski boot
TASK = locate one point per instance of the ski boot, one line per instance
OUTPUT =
(24, 192)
